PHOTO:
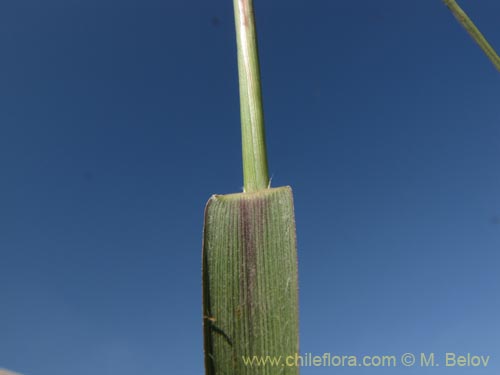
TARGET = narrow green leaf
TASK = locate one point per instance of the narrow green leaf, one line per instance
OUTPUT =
(250, 295)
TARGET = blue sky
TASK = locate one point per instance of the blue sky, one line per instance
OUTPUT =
(119, 120)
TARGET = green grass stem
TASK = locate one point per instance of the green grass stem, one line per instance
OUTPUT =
(473, 31)
(249, 266)
(255, 169)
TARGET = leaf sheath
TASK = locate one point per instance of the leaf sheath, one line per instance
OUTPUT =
(250, 295)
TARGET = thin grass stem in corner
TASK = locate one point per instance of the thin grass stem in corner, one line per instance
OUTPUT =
(473, 31)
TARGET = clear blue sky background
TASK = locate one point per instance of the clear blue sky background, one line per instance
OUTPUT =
(119, 119)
